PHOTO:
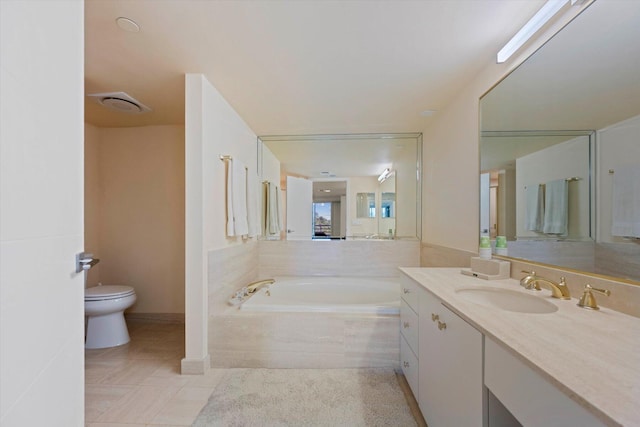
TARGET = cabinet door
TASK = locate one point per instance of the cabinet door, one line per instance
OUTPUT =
(450, 367)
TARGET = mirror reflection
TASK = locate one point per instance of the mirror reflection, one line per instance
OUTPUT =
(365, 205)
(559, 148)
(379, 195)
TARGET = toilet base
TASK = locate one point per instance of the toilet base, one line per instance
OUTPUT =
(108, 330)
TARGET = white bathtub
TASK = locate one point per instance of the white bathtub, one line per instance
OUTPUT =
(361, 295)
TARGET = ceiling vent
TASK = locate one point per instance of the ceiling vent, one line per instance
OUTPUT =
(120, 101)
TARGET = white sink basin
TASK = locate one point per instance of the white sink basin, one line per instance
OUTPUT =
(506, 299)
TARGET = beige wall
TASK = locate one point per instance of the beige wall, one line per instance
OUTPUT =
(134, 201)
(92, 191)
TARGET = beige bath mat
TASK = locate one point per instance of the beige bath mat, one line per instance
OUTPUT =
(307, 397)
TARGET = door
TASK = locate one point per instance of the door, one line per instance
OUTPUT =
(299, 208)
(41, 213)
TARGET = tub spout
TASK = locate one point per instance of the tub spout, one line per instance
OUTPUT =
(252, 287)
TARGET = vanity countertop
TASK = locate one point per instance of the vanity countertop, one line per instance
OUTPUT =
(592, 356)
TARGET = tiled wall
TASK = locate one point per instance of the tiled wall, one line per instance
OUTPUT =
(302, 340)
(379, 258)
(625, 297)
(229, 269)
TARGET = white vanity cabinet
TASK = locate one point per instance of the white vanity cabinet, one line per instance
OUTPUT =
(409, 332)
(450, 367)
(527, 395)
(441, 357)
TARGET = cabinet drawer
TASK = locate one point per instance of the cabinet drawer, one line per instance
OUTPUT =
(409, 364)
(409, 291)
(409, 325)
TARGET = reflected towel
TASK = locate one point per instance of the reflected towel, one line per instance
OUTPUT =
(252, 205)
(237, 224)
(626, 202)
(556, 207)
(275, 216)
(535, 208)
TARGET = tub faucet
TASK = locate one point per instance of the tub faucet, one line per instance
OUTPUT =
(254, 286)
(532, 282)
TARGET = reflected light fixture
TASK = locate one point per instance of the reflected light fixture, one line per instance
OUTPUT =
(546, 12)
(384, 175)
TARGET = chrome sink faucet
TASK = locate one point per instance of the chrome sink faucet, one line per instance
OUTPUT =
(533, 282)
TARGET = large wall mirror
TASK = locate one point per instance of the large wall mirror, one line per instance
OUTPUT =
(560, 147)
(361, 186)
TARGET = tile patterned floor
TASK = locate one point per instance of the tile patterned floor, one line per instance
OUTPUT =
(139, 384)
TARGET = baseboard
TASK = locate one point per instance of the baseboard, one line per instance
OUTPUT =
(195, 366)
(156, 317)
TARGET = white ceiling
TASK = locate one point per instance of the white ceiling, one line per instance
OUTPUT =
(296, 67)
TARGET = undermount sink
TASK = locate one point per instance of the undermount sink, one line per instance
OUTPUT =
(506, 299)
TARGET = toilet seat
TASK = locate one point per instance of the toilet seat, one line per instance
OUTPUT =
(109, 292)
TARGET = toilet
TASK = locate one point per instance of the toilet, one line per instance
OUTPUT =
(104, 308)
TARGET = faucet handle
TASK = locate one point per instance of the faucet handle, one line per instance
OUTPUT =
(588, 300)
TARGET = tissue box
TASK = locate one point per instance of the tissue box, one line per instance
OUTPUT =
(488, 269)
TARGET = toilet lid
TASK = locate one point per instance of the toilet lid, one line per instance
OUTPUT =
(109, 291)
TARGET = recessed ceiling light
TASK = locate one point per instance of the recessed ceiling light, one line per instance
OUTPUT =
(127, 24)
(326, 191)
(427, 113)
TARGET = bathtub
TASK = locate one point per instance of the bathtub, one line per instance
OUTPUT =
(357, 295)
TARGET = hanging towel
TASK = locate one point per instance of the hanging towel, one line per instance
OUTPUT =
(626, 202)
(237, 224)
(556, 207)
(535, 208)
(275, 219)
(252, 205)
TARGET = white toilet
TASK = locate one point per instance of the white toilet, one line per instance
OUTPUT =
(104, 308)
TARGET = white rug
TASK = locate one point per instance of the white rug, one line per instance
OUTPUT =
(307, 397)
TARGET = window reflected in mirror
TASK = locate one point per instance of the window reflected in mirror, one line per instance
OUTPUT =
(388, 205)
(366, 205)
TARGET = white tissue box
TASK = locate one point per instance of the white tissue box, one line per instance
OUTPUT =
(488, 269)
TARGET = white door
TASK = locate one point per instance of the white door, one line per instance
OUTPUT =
(41, 213)
(299, 208)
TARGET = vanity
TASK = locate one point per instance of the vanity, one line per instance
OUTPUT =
(488, 352)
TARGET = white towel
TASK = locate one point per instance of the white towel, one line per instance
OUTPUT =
(252, 205)
(535, 208)
(556, 207)
(626, 202)
(237, 224)
(274, 214)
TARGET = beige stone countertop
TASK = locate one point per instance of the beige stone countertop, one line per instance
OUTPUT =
(592, 356)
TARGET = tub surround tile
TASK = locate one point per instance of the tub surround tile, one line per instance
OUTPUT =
(229, 269)
(303, 340)
(339, 258)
